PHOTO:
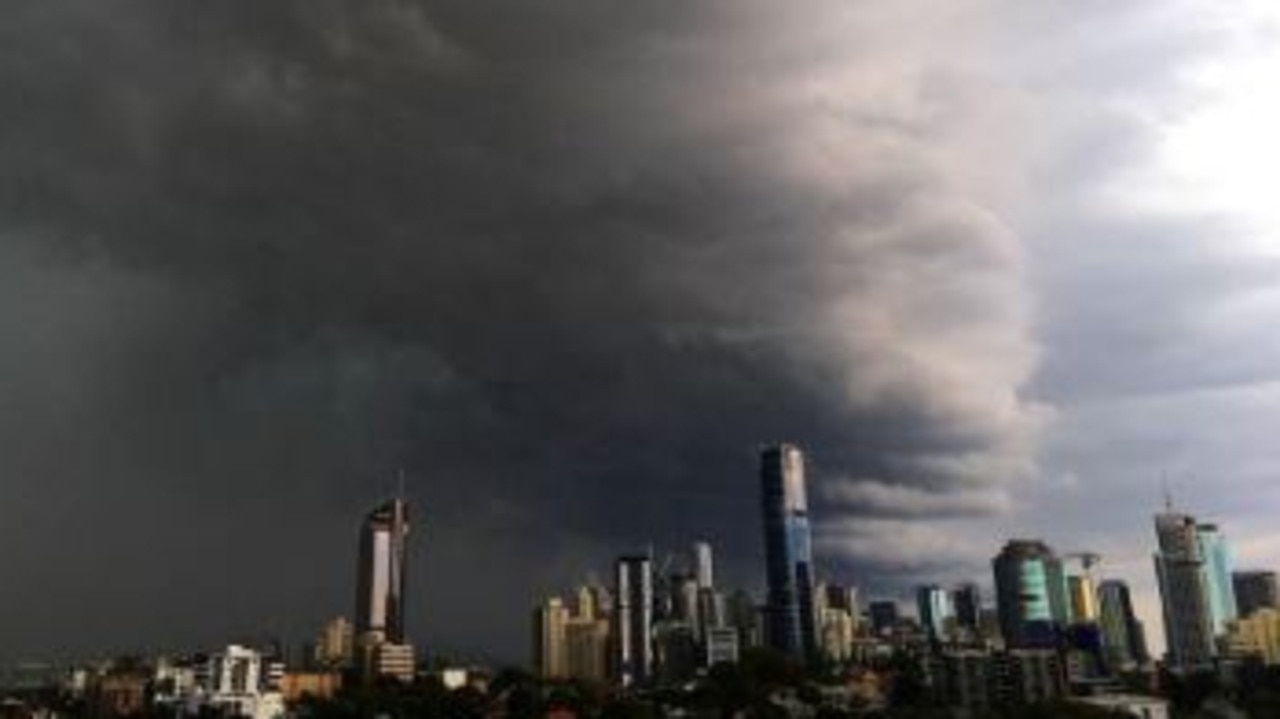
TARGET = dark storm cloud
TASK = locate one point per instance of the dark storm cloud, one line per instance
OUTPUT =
(566, 265)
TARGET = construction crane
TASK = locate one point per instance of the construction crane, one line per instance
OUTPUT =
(1088, 560)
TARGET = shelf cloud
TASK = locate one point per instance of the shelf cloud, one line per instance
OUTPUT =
(565, 265)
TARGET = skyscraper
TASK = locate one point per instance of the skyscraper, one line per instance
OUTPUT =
(1083, 599)
(1122, 636)
(702, 564)
(967, 601)
(1216, 553)
(684, 601)
(1031, 594)
(572, 644)
(1184, 591)
(380, 574)
(936, 610)
(550, 640)
(1254, 590)
(791, 625)
(633, 620)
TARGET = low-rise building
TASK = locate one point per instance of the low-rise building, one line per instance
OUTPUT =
(1140, 707)
(233, 682)
(122, 694)
(979, 681)
(395, 661)
(295, 686)
(1256, 635)
(721, 646)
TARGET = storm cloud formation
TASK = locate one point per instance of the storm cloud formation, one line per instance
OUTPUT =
(567, 264)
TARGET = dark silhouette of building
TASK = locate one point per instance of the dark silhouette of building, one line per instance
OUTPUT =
(967, 602)
(1254, 590)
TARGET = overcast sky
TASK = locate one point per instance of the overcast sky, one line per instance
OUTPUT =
(999, 267)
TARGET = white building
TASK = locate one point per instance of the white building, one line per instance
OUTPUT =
(395, 661)
(234, 682)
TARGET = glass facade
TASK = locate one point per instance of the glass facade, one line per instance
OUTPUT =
(936, 610)
(381, 572)
(1184, 593)
(1122, 636)
(633, 620)
(791, 626)
(1031, 594)
(1217, 569)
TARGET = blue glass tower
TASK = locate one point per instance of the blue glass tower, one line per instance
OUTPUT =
(791, 628)
(1217, 568)
(1031, 594)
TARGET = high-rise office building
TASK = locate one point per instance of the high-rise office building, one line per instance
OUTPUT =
(967, 601)
(838, 596)
(702, 565)
(934, 605)
(587, 649)
(712, 611)
(1031, 594)
(837, 632)
(1122, 636)
(1184, 591)
(791, 625)
(571, 644)
(1083, 598)
(633, 620)
(380, 575)
(743, 614)
(334, 648)
(1218, 569)
(594, 601)
(884, 616)
(380, 593)
(550, 640)
(684, 601)
(1254, 590)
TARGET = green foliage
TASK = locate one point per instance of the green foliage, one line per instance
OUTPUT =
(1044, 710)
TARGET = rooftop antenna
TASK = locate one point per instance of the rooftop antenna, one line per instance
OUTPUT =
(400, 483)
(1168, 495)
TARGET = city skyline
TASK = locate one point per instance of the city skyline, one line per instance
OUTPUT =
(999, 270)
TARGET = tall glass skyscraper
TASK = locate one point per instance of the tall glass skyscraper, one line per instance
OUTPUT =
(380, 573)
(1031, 594)
(1184, 591)
(791, 625)
(633, 620)
(936, 610)
(1123, 640)
(1217, 568)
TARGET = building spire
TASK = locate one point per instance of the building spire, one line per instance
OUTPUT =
(1166, 493)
